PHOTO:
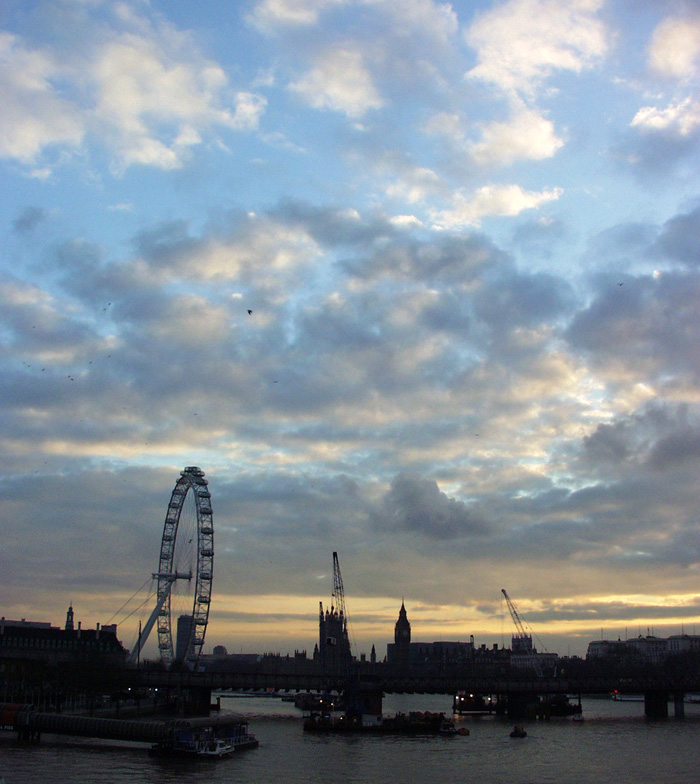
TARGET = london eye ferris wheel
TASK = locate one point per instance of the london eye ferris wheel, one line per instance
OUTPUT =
(185, 572)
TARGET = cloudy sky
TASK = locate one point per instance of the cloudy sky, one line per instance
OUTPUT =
(469, 236)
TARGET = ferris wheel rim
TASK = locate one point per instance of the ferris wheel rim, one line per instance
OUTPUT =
(191, 481)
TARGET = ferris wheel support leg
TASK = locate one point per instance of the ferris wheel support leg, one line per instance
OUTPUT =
(133, 656)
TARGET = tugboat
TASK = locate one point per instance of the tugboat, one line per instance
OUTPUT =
(447, 728)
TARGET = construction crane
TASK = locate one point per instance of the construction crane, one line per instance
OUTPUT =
(339, 592)
(334, 638)
(335, 650)
(522, 641)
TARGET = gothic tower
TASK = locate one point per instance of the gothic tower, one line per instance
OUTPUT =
(334, 642)
(402, 637)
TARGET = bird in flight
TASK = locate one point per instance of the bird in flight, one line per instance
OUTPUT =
(250, 312)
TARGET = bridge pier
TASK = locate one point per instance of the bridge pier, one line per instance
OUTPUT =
(197, 701)
(518, 706)
(656, 704)
(679, 705)
(370, 700)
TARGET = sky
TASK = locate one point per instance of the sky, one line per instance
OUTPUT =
(417, 282)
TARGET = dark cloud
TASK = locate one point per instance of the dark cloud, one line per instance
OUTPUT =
(418, 505)
(659, 436)
(166, 243)
(449, 260)
(605, 612)
(647, 325)
(619, 248)
(656, 153)
(514, 299)
(334, 228)
(28, 220)
(84, 520)
(448, 312)
(676, 448)
(36, 325)
(680, 239)
(607, 444)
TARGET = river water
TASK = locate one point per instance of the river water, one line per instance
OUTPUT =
(614, 744)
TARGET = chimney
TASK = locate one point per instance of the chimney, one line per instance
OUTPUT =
(97, 635)
(80, 623)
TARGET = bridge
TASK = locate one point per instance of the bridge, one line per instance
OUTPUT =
(512, 688)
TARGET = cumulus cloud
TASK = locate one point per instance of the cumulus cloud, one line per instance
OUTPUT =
(144, 90)
(155, 95)
(35, 114)
(525, 136)
(269, 15)
(409, 18)
(436, 20)
(522, 42)
(681, 119)
(674, 50)
(492, 200)
(339, 81)
(666, 131)
(414, 186)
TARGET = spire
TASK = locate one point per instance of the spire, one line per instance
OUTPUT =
(69, 618)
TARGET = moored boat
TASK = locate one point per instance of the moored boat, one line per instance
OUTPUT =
(211, 742)
(619, 697)
(557, 705)
(468, 704)
(413, 723)
(215, 749)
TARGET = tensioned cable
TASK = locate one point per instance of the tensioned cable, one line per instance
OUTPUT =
(140, 588)
(136, 609)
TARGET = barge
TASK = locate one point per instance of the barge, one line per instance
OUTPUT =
(413, 723)
(205, 738)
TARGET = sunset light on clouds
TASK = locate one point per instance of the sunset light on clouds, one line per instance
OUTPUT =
(416, 282)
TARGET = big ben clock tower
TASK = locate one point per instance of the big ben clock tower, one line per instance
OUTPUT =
(402, 636)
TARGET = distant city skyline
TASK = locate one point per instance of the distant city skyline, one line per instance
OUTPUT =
(415, 282)
(280, 643)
